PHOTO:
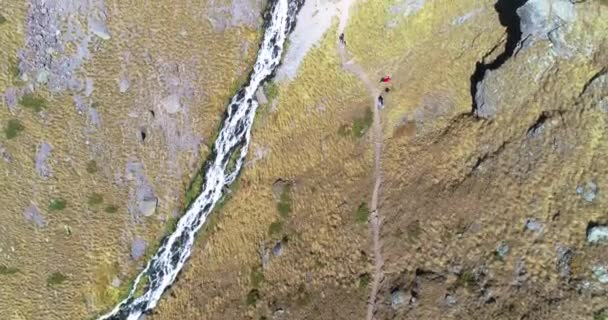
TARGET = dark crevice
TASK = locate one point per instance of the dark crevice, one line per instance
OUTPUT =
(592, 79)
(488, 155)
(507, 15)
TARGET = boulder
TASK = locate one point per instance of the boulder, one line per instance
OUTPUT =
(171, 104)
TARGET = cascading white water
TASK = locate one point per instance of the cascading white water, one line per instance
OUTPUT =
(233, 140)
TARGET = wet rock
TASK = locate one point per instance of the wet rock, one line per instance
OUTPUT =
(534, 225)
(588, 191)
(600, 273)
(171, 104)
(32, 214)
(138, 248)
(502, 249)
(42, 168)
(564, 259)
(597, 233)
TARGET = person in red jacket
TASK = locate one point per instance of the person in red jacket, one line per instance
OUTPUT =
(385, 79)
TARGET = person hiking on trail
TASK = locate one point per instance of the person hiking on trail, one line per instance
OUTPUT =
(342, 38)
(380, 102)
(385, 79)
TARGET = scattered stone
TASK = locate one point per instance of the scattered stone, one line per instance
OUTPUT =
(99, 28)
(138, 248)
(534, 225)
(588, 192)
(564, 259)
(520, 273)
(597, 233)
(450, 299)
(600, 273)
(32, 214)
(277, 250)
(116, 282)
(171, 103)
(43, 77)
(42, 168)
(88, 87)
(123, 84)
(397, 298)
(147, 206)
(261, 96)
(94, 118)
(502, 249)
(6, 156)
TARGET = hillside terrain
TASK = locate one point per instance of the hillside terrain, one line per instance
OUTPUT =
(476, 191)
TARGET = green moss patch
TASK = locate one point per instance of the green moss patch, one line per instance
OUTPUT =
(252, 297)
(57, 204)
(4, 270)
(362, 124)
(275, 228)
(92, 166)
(13, 128)
(33, 102)
(111, 209)
(362, 213)
(95, 199)
(55, 278)
(284, 205)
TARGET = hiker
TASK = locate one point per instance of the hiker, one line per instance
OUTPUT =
(342, 39)
(380, 102)
(385, 79)
(387, 89)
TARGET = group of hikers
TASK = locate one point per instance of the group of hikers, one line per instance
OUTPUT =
(386, 79)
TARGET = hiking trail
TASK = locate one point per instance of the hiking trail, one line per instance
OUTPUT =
(375, 219)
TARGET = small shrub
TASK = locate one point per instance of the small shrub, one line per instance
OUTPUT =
(272, 90)
(95, 199)
(4, 270)
(364, 280)
(57, 204)
(252, 297)
(257, 276)
(2, 19)
(92, 166)
(275, 228)
(603, 313)
(194, 189)
(360, 125)
(413, 230)
(111, 209)
(362, 213)
(466, 279)
(32, 102)
(284, 205)
(13, 128)
(171, 225)
(55, 278)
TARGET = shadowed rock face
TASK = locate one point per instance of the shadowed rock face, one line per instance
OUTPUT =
(507, 14)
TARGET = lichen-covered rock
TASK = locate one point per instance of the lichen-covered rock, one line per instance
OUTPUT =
(547, 20)
(597, 234)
